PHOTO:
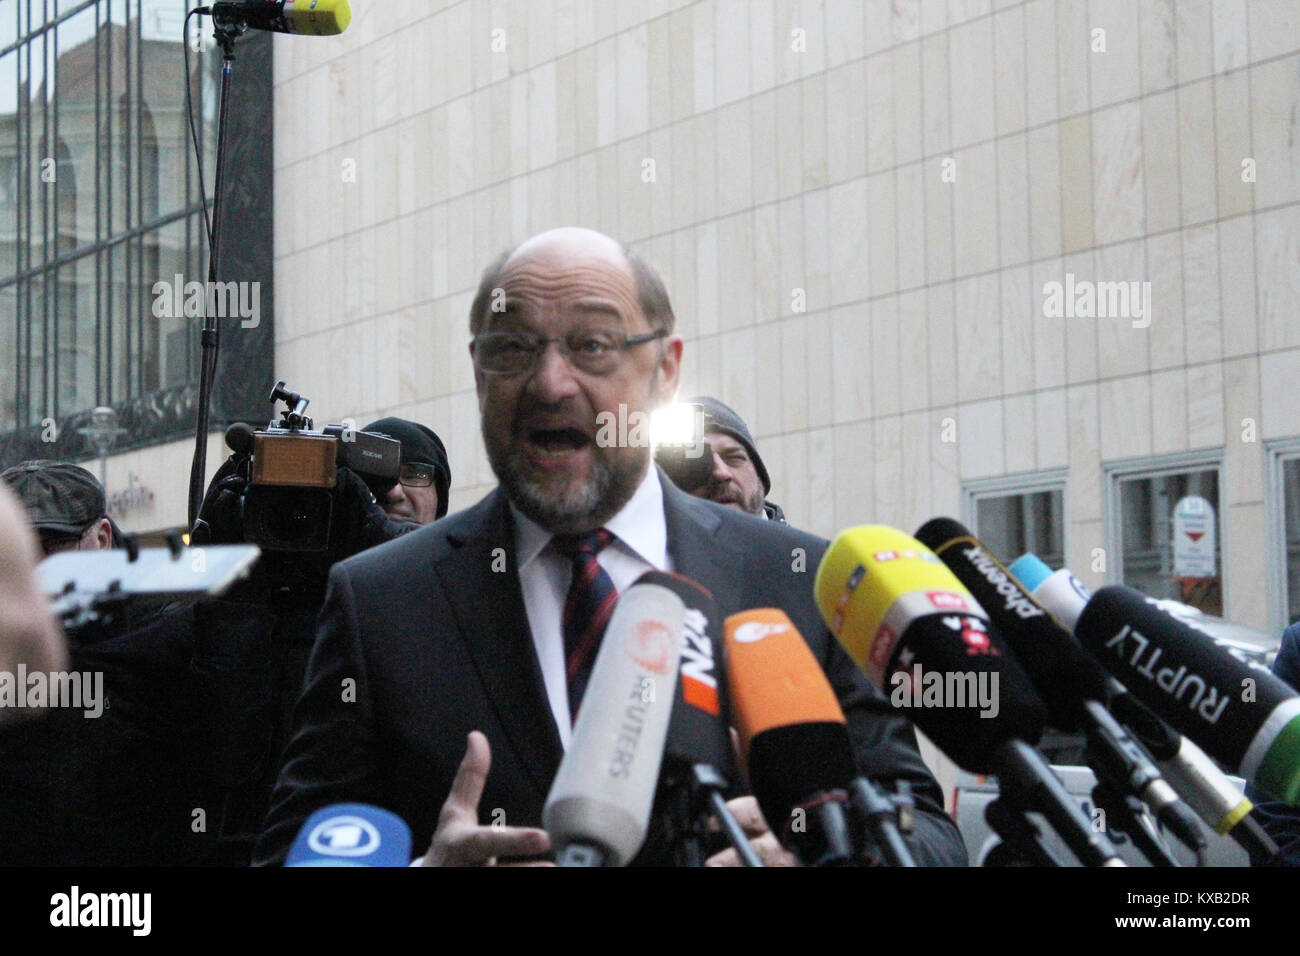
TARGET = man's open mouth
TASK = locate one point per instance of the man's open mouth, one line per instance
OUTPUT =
(557, 441)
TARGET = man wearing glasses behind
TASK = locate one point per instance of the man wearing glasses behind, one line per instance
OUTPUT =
(420, 492)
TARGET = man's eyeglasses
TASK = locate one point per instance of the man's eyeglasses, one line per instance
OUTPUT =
(594, 351)
(416, 475)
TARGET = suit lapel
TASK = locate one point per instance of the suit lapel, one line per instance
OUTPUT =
(489, 609)
(698, 549)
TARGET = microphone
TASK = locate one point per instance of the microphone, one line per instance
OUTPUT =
(239, 438)
(912, 617)
(318, 18)
(1075, 687)
(1189, 770)
(793, 737)
(1242, 714)
(699, 763)
(598, 809)
(352, 834)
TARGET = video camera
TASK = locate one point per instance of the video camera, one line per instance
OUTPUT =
(291, 472)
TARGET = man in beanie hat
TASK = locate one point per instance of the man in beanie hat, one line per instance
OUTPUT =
(420, 492)
(65, 504)
(739, 478)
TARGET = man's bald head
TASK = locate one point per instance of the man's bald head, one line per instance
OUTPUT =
(569, 244)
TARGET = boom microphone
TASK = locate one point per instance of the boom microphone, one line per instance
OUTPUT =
(900, 612)
(1075, 688)
(1189, 770)
(318, 18)
(598, 809)
(1242, 714)
(793, 737)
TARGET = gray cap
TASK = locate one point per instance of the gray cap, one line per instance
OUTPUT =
(59, 496)
(720, 418)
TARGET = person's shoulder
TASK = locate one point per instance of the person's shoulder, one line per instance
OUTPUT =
(411, 553)
(747, 526)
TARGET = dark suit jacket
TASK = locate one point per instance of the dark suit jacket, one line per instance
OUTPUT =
(421, 641)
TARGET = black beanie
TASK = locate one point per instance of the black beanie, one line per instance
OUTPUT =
(420, 444)
(720, 418)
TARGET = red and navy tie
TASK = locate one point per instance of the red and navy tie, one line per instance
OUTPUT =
(587, 609)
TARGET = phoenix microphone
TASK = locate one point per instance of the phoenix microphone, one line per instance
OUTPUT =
(793, 738)
(352, 834)
(906, 620)
(304, 17)
(599, 806)
(1242, 714)
(1206, 788)
(1075, 688)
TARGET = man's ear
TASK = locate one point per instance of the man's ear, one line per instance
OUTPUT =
(103, 535)
(670, 369)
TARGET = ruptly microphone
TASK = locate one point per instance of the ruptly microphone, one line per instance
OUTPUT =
(319, 18)
(920, 636)
(794, 741)
(598, 809)
(1075, 687)
(1189, 770)
(352, 834)
(1240, 712)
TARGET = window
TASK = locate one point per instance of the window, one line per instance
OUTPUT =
(1284, 532)
(1019, 514)
(1164, 525)
(100, 201)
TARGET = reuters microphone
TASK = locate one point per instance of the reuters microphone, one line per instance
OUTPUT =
(794, 742)
(598, 809)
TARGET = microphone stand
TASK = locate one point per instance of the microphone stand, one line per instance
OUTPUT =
(1133, 822)
(879, 813)
(1009, 818)
(226, 33)
(699, 792)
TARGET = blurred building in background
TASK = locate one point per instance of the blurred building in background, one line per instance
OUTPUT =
(1032, 264)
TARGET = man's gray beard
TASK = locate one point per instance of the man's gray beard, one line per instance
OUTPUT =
(590, 507)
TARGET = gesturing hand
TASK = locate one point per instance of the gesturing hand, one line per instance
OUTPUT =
(460, 839)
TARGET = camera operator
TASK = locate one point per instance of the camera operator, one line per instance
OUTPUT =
(251, 646)
(420, 492)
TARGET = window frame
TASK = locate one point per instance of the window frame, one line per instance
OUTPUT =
(1021, 483)
(1277, 452)
(1159, 466)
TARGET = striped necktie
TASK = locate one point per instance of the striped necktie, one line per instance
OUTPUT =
(587, 609)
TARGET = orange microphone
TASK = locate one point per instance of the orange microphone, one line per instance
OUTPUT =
(794, 741)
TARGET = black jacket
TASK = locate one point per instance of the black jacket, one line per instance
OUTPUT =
(420, 642)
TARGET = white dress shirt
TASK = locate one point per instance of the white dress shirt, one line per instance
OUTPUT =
(640, 544)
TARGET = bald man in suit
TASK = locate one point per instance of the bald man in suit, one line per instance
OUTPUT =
(443, 683)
